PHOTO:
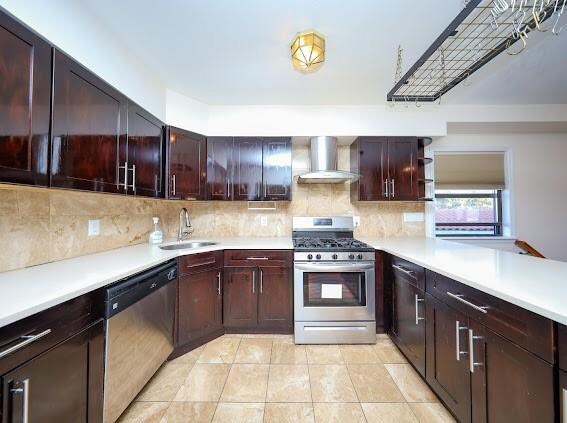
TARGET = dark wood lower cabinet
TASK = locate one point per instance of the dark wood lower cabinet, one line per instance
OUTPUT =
(258, 299)
(563, 395)
(64, 384)
(275, 299)
(240, 298)
(508, 383)
(408, 321)
(447, 364)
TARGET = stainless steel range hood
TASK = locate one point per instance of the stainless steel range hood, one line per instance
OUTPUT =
(324, 164)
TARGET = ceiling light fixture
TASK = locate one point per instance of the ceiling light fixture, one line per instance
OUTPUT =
(308, 51)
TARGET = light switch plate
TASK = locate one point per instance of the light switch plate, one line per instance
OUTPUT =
(264, 220)
(94, 227)
(414, 217)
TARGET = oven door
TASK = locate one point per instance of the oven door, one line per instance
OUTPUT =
(334, 292)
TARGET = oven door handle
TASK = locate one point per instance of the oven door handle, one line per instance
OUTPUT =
(330, 267)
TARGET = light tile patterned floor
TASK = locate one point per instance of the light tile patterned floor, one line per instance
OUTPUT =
(266, 378)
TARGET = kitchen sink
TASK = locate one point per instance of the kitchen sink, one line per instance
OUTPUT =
(187, 245)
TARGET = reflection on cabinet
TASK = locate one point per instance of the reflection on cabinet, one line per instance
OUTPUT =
(258, 293)
(187, 164)
(89, 130)
(199, 299)
(249, 168)
(408, 311)
(25, 88)
(387, 167)
(563, 395)
(144, 153)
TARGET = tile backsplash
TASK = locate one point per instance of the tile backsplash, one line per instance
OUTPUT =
(39, 225)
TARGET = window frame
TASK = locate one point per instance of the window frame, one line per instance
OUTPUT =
(497, 225)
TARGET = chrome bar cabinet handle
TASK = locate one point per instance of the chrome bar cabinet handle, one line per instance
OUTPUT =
(25, 391)
(134, 177)
(417, 301)
(228, 187)
(261, 281)
(257, 258)
(401, 269)
(219, 283)
(458, 329)
(472, 363)
(386, 192)
(173, 183)
(564, 405)
(28, 339)
(125, 167)
(253, 280)
(459, 297)
(393, 182)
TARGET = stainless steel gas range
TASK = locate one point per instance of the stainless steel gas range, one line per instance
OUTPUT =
(334, 283)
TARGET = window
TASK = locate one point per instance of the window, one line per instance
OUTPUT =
(466, 212)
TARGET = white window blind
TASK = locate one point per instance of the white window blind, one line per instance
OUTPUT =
(464, 170)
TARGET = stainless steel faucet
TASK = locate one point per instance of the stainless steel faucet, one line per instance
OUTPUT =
(185, 228)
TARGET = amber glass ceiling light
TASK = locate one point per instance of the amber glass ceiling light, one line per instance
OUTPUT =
(308, 51)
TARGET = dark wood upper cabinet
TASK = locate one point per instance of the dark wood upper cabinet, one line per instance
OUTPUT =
(447, 365)
(508, 383)
(187, 164)
(25, 94)
(402, 168)
(219, 168)
(89, 130)
(144, 153)
(247, 168)
(276, 173)
(387, 168)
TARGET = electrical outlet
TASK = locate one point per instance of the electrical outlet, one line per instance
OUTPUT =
(356, 221)
(94, 227)
(264, 220)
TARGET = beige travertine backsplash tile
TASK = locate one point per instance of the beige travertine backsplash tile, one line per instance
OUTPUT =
(38, 225)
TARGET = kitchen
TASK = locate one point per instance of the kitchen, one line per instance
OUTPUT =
(336, 221)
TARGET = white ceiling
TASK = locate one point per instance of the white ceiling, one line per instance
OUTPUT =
(237, 52)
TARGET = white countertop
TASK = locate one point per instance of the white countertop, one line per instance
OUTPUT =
(34, 289)
(539, 285)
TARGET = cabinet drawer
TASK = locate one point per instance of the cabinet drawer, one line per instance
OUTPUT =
(200, 262)
(409, 272)
(562, 347)
(260, 258)
(36, 334)
(527, 329)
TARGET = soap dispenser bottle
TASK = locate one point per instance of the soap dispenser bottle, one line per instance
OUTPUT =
(156, 237)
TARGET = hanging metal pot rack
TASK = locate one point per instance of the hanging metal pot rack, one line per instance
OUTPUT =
(479, 33)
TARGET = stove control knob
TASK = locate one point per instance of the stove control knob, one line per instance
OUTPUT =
(318, 256)
(309, 256)
(351, 256)
(335, 256)
(359, 256)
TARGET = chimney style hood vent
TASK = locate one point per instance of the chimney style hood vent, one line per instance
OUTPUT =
(324, 164)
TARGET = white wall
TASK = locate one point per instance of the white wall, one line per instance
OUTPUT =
(537, 182)
(67, 25)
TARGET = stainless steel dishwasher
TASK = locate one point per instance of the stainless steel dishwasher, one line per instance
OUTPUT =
(139, 313)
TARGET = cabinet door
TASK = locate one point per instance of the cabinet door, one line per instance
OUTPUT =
(408, 321)
(25, 89)
(247, 159)
(219, 168)
(197, 305)
(402, 159)
(275, 299)
(240, 299)
(563, 395)
(187, 164)
(508, 383)
(373, 169)
(63, 384)
(447, 365)
(89, 130)
(277, 169)
(145, 153)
